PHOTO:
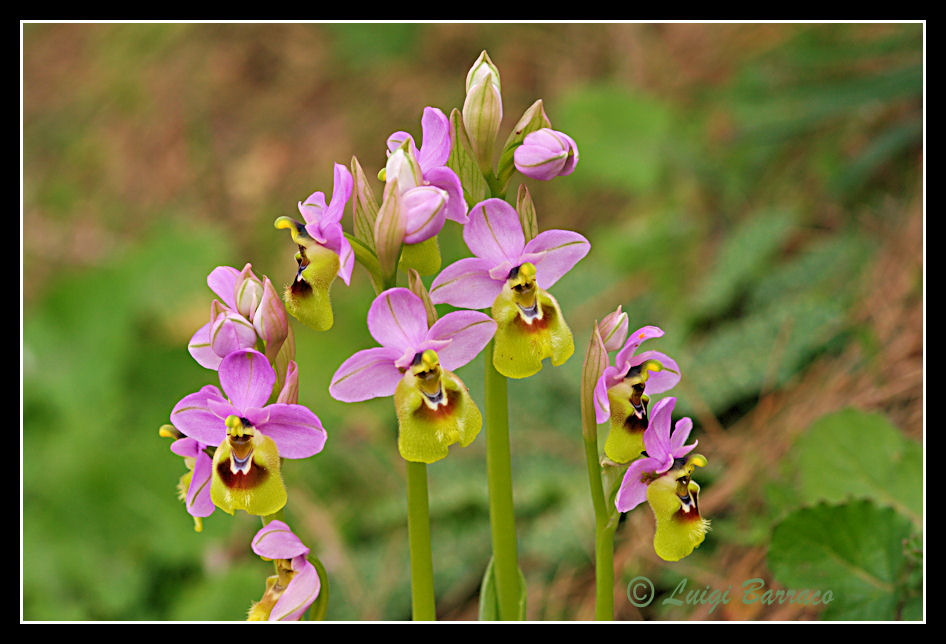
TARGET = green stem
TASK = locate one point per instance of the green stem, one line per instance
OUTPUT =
(499, 475)
(418, 531)
(604, 527)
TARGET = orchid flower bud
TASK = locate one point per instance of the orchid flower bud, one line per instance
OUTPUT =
(270, 320)
(546, 154)
(230, 331)
(403, 167)
(247, 293)
(483, 109)
(613, 329)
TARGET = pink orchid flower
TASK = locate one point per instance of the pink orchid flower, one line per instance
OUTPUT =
(430, 192)
(494, 235)
(297, 582)
(250, 436)
(397, 319)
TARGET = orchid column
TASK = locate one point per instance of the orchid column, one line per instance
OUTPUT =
(509, 273)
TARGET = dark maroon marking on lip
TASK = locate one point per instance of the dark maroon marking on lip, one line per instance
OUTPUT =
(538, 324)
(241, 481)
(694, 513)
(428, 414)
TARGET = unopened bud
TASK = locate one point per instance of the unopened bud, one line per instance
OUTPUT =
(613, 329)
(483, 110)
(546, 154)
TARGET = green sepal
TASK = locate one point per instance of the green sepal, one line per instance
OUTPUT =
(307, 298)
(423, 257)
(520, 346)
(425, 434)
(679, 531)
(462, 160)
(260, 490)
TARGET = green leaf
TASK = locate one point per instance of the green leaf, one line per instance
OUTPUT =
(855, 551)
(489, 600)
(746, 253)
(857, 454)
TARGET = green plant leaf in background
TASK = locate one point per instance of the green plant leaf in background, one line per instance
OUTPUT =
(852, 453)
(856, 551)
(624, 135)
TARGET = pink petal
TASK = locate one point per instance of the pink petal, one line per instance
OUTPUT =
(681, 431)
(494, 232)
(341, 193)
(633, 491)
(446, 179)
(657, 435)
(658, 381)
(335, 240)
(634, 340)
(231, 332)
(197, 501)
(561, 250)
(193, 417)
(397, 139)
(608, 379)
(425, 211)
(468, 331)
(397, 319)
(222, 281)
(199, 347)
(276, 541)
(247, 379)
(435, 145)
(367, 374)
(466, 284)
(297, 432)
(186, 447)
(299, 595)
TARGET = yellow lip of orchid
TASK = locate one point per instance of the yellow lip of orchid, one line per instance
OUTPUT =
(522, 282)
(434, 411)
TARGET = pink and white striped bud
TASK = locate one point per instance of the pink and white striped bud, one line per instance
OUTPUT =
(270, 320)
(613, 329)
(230, 331)
(247, 292)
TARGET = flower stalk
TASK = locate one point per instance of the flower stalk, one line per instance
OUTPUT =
(499, 476)
(418, 530)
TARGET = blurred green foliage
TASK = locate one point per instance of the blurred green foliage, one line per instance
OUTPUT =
(737, 211)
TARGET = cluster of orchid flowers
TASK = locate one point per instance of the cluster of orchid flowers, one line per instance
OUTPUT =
(233, 438)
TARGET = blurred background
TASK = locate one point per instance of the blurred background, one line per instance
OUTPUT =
(756, 190)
